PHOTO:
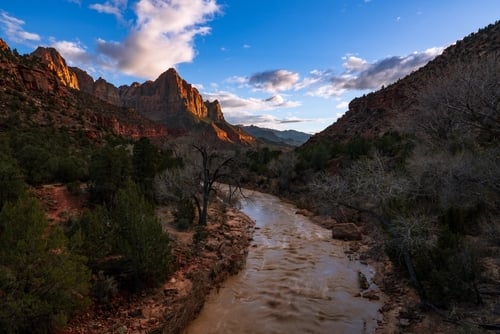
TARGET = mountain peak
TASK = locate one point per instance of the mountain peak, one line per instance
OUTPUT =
(55, 62)
(172, 71)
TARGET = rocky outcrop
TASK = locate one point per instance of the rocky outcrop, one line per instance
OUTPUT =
(346, 231)
(107, 92)
(34, 79)
(129, 129)
(56, 63)
(85, 81)
(158, 100)
(3, 45)
(22, 73)
(214, 110)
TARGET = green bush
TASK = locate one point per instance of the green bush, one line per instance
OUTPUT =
(110, 168)
(11, 180)
(358, 147)
(138, 237)
(450, 271)
(41, 282)
(125, 241)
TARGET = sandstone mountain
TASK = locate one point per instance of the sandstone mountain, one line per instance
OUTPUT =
(389, 108)
(169, 100)
(39, 90)
(152, 109)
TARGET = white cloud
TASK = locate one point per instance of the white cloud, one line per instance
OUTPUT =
(13, 28)
(73, 52)
(241, 81)
(353, 63)
(113, 7)
(326, 91)
(343, 105)
(161, 36)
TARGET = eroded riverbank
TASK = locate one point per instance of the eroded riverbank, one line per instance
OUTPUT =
(171, 307)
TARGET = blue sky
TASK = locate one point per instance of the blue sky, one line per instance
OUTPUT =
(284, 64)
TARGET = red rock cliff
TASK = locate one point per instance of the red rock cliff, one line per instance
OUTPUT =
(56, 63)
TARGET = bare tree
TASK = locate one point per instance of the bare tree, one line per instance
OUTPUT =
(464, 103)
(205, 164)
(366, 187)
(215, 167)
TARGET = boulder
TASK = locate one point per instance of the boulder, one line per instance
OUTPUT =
(325, 221)
(346, 231)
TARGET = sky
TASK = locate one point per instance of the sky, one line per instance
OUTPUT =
(282, 64)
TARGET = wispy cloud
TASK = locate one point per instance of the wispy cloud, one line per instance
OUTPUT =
(342, 105)
(270, 81)
(359, 74)
(13, 28)
(113, 7)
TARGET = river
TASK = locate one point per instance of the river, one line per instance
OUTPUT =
(296, 280)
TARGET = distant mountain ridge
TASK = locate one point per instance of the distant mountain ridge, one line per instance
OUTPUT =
(277, 137)
(387, 109)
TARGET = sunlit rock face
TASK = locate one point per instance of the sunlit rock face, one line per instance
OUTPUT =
(40, 89)
(55, 62)
(3, 45)
(30, 73)
(169, 100)
(168, 95)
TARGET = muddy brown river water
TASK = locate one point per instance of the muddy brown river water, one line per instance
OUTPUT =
(296, 280)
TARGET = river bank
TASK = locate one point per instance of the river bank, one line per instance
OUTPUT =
(169, 308)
